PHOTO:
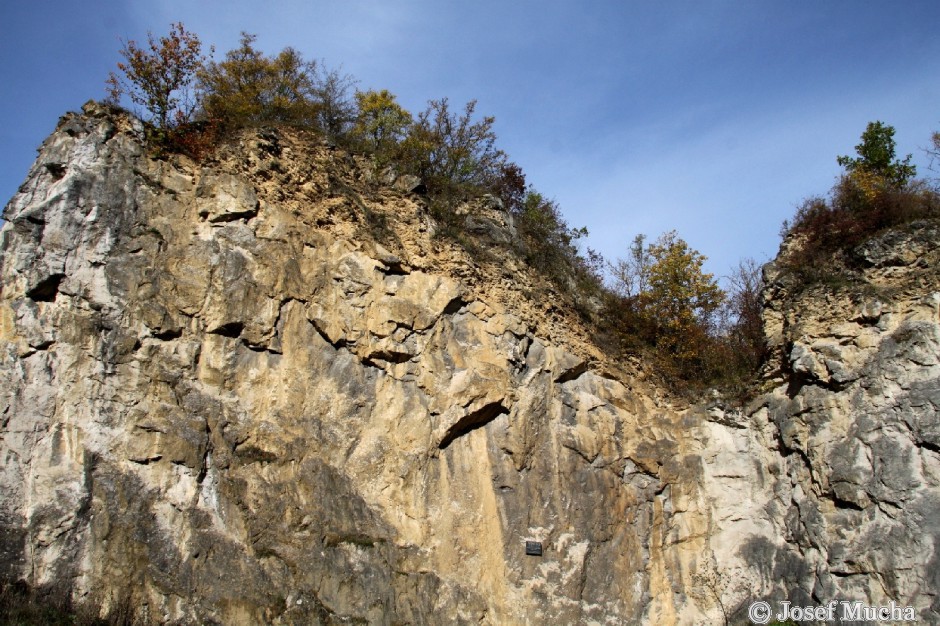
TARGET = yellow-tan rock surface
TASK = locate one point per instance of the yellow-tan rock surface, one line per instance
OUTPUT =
(260, 389)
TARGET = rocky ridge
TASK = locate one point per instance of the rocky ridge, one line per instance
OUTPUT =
(259, 389)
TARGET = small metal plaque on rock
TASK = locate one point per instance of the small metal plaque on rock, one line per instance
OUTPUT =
(533, 548)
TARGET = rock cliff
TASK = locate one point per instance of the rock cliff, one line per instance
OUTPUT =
(259, 389)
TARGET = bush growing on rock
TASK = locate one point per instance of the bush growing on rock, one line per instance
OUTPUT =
(509, 186)
(249, 88)
(876, 165)
(452, 153)
(381, 123)
(336, 111)
(666, 303)
(745, 331)
(680, 295)
(876, 192)
(663, 305)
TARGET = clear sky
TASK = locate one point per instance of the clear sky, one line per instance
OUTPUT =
(714, 118)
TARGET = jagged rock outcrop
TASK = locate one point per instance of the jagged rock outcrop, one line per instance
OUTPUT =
(258, 389)
(835, 473)
(224, 401)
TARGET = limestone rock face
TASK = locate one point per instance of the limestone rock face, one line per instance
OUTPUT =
(259, 389)
(224, 402)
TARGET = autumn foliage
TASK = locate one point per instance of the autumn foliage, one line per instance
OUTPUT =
(663, 301)
(381, 123)
(249, 88)
(159, 76)
(681, 298)
(666, 306)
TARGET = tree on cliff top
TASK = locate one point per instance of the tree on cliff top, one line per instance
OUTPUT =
(381, 123)
(667, 303)
(680, 296)
(450, 151)
(876, 161)
(158, 77)
(248, 87)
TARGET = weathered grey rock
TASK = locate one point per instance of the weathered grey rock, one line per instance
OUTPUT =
(224, 197)
(409, 183)
(900, 247)
(836, 480)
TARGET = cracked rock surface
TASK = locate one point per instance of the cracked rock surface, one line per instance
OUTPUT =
(218, 386)
(836, 476)
(259, 389)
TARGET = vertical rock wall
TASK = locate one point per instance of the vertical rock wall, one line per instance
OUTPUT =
(222, 402)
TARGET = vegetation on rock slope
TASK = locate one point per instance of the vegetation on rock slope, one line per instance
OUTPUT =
(877, 192)
(658, 302)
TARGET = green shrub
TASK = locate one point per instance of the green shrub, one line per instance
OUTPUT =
(548, 239)
(454, 155)
(381, 123)
(876, 161)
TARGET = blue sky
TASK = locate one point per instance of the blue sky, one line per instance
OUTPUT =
(712, 118)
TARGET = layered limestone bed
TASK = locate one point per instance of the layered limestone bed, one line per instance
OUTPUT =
(259, 389)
